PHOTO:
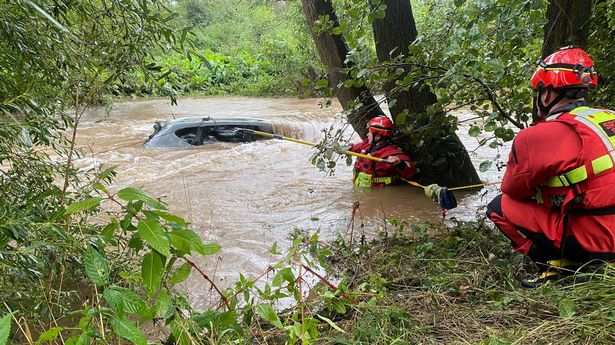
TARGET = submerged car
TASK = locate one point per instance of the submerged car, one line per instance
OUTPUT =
(188, 132)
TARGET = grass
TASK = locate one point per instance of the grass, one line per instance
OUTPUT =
(461, 285)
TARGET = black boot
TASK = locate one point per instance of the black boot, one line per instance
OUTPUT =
(554, 270)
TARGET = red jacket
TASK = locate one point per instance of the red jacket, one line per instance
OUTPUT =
(555, 147)
(382, 149)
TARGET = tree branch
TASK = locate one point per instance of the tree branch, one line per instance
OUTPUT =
(496, 105)
(206, 277)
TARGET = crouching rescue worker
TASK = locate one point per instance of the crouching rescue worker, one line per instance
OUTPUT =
(368, 173)
(558, 201)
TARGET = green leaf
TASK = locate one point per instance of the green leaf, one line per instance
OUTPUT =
(49, 335)
(494, 144)
(339, 306)
(474, 131)
(109, 230)
(266, 312)
(285, 274)
(83, 205)
(322, 83)
(401, 118)
(127, 330)
(331, 323)
(124, 300)
(183, 241)
(207, 249)
(274, 249)
(115, 301)
(154, 235)
(181, 273)
(171, 218)
(506, 134)
(566, 308)
(152, 271)
(96, 266)
(5, 328)
(129, 194)
(485, 165)
(490, 126)
(136, 243)
(164, 306)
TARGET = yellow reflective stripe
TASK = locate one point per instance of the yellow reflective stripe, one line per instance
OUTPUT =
(576, 175)
(585, 111)
(363, 180)
(608, 141)
(563, 69)
(367, 180)
(601, 164)
(385, 180)
(579, 174)
(597, 119)
(592, 118)
(572, 177)
(576, 111)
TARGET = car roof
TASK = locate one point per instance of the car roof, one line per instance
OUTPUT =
(187, 121)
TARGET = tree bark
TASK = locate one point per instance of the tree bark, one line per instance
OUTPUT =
(333, 50)
(568, 23)
(442, 160)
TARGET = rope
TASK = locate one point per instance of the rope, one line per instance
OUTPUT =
(475, 185)
(350, 153)
(416, 184)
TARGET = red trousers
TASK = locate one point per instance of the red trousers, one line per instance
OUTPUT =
(537, 231)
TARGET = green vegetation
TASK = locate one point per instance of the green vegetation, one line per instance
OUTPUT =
(80, 264)
(249, 48)
(425, 284)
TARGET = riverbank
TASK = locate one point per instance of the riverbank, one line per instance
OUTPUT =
(461, 285)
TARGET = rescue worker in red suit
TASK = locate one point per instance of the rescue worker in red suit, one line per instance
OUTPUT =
(558, 201)
(368, 173)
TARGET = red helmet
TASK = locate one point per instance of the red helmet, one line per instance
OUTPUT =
(381, 125)
(570, 67)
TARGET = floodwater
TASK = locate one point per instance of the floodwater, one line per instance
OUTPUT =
(246, 196)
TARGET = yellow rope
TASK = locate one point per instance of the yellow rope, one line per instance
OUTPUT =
(376, 159)
(275, 136)
(475, 185)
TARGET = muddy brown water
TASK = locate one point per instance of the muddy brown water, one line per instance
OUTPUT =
(246, 196)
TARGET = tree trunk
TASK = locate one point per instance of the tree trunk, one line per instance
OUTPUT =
(568, 24)
(442, 160)
(333, 50)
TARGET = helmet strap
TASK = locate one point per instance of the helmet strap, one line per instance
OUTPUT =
(576, 93)
(546, 109)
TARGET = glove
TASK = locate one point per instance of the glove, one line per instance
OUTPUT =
(433, 192)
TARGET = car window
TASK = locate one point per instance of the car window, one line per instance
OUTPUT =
(189, 135)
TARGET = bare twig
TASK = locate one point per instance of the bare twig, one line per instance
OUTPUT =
(497, 106)
(327, 282)
(206, 277)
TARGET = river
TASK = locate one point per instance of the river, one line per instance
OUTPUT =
(246, 196)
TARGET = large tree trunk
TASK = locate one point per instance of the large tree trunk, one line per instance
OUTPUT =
(568, 24)
(443, 160)
(333, 50)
